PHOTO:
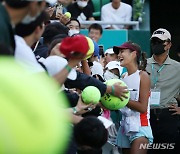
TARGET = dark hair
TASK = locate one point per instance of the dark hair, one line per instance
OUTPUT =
(143, 61)
(141, 56)
(52, 30)
(96, 26)
(17, 3)
(56, 39)
(178, 49)
(90, 132)
(74, 19)
(27, 29)
(60, 37)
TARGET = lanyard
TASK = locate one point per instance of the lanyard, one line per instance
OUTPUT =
(155, 78)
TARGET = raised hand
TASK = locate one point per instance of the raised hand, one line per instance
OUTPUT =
(83, 108)
(120, 91)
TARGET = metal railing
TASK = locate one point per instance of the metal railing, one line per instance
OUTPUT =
(135, 24)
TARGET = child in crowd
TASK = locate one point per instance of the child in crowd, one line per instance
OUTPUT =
(90, 135)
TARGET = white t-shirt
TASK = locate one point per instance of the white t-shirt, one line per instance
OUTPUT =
(122, 14)
(25, 56)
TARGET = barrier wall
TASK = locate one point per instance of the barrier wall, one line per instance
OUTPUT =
(117, 37)
(142, 38)
(111, 37)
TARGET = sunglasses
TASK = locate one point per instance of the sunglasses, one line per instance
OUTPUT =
(157, 41)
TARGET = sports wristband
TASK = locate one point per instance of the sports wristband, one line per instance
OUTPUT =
(112, 90)
(68, 68)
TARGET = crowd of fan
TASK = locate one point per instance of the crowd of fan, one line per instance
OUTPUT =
(58, 50)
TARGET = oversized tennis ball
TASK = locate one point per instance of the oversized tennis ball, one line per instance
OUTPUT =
(112, 102)
(91, 48)
(91, 94)
(68, 14)
(33, 118)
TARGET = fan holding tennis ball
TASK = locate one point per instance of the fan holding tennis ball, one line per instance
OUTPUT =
(112, 102)
(91, 94)
(68, 14)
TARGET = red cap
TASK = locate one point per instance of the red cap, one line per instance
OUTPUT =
(127, 45)
(74, 44)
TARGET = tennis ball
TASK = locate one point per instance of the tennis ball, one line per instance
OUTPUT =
(33, 118)
(112, 102)
(68, 14)
(91, 94)
(91, 48)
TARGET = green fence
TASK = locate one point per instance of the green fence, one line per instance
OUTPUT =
(117, 37)
(142, 38)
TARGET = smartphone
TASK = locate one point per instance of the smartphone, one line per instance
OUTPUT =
(59, 9)
(101, 50)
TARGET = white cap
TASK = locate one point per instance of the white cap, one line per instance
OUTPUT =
(54, 64)
(97, 69)
(162, 34)
(109, 51)
(114, 64)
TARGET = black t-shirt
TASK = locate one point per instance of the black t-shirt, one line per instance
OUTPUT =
(84, 80)
(76, 11)
(6, 32)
